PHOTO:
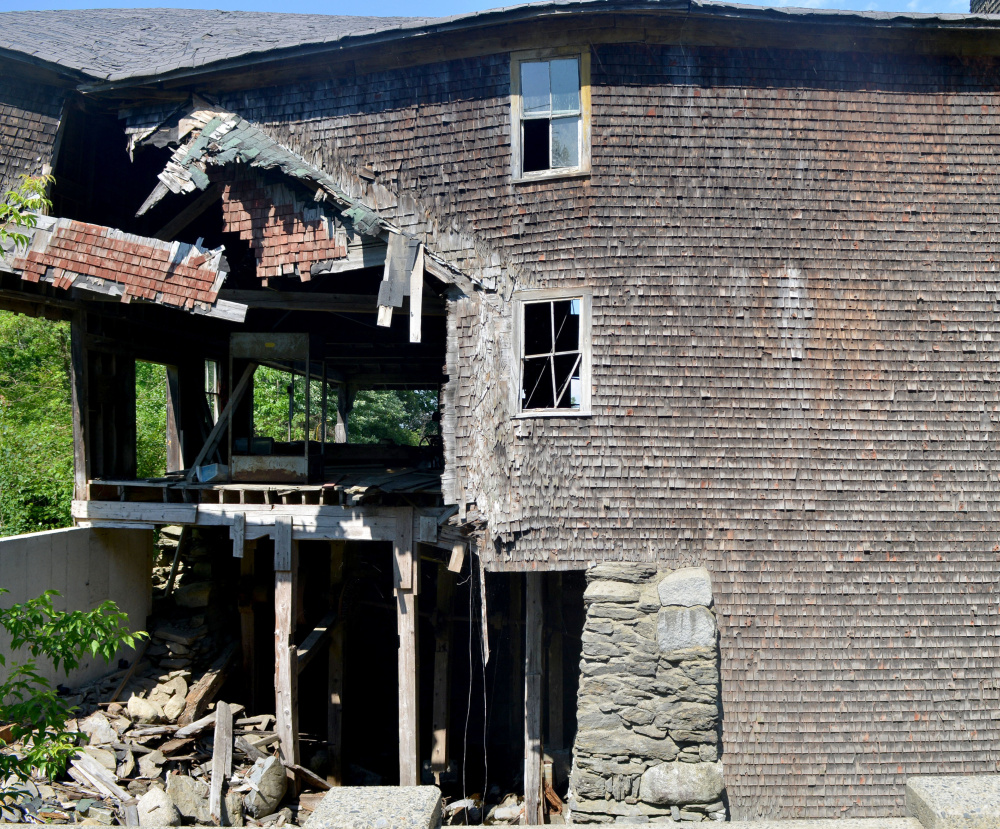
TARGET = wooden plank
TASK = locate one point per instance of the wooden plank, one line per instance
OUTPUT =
(189, 213)
(416, 295)
(152, 512)
(99, 776)
(457, 559)
(285, 655)
(533, 700)
(80, 401)
(223, 422)
(222, 759)
(314, 643)
(407, 564)
(442, 672)
(175, 454)
(238, 533)
(335, 671)
(207, 687)
(282, 542)
(402, 551)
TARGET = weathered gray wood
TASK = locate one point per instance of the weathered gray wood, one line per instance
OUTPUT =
(238, 532)
(407, 565)
(416, 295)
(99, 776)
(335, 674)
(457, 559)
(533, 699)
(285, 653)
(175, 454)
(442, 672)
(222, 758)
(282, 542)
(80, 402)
(314, 643)
(204, 689)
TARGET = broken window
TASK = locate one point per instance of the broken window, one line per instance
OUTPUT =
(550, 120)
(553, 334)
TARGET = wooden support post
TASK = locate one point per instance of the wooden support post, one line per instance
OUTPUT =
(405, 572)
(175, 456)
(554, 673)
(286, 555)
(344, 400)
(442, 671)
(335, 713)
(533, 700)
(80, 399)
(248, 632)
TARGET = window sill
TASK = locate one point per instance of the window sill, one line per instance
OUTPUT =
(549, 175)
(552, 413)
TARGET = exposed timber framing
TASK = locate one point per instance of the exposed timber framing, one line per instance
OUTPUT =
(533, 699)
(286, 565)
(406, 574)
(80, 401)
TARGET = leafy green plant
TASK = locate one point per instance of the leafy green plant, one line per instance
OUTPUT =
(150, 420)
(27, 699)
(19, 206)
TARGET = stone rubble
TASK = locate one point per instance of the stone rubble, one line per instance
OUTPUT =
(648, 713)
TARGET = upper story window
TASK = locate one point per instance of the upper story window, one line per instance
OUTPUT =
(550, 114)
(552, 336)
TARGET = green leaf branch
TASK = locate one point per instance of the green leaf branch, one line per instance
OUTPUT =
(20, 206)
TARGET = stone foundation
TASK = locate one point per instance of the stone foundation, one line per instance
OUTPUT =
(648, 718)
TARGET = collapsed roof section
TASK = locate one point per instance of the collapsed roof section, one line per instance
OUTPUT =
(206, 135)
(102, 260)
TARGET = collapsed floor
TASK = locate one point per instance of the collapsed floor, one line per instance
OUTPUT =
(151, 740)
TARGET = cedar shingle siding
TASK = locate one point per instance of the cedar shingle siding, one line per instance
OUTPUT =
(29, 117)
(794, 258)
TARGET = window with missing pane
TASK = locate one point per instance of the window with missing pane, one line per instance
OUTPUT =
(550, 105)
(554, 346)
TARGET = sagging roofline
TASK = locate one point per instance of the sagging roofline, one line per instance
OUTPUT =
(692, 10)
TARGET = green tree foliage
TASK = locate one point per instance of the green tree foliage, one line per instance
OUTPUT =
(27, 699)
(150, 420)
(402, 417)
(18, 207)
(36, 431)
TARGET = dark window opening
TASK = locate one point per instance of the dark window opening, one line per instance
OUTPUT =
(552, 355)
(536, 145)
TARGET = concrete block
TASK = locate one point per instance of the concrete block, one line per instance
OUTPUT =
(378, 807)
(954, 802)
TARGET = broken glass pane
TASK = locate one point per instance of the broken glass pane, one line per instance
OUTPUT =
(536, 145)
(566, 142)
(567, 370)
(565, 85)
(536, 389)
(535, 87)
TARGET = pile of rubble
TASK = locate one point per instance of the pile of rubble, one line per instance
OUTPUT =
(153, 747)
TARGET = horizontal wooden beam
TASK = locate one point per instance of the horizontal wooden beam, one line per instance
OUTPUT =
(328, 303)
(309, 521)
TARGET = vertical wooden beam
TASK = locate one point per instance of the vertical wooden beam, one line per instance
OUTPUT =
(406, 572)
(416, 295)
(442, 671)
(340, 431)
(80, 399)
(335, 713)
(286, 555)
(533, 700)
(554, 672)
(248, 632)
(175, 458)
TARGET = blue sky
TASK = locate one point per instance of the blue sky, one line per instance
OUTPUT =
(435, 8)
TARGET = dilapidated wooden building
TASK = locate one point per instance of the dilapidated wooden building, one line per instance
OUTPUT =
(699, 285)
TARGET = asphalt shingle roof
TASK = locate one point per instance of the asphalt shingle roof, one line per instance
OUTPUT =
(113, 44)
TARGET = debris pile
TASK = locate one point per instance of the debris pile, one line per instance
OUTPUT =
(153, 747)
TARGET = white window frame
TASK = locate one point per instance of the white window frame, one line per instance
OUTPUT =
(522, 298)
(517, 114)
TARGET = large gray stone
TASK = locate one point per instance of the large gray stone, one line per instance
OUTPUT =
(681, 628)
(620, 742)
(693, 716)
(98, 729)
(954, 802)
(621, 571)
(687, 587)
(156, 809)
(681, 783)
(378, 807)
(268, 775)
(617, 592)
(190, 796)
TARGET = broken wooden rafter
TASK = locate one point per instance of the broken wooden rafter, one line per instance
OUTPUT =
(313, 643)
(223, 422)
(204, 689)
